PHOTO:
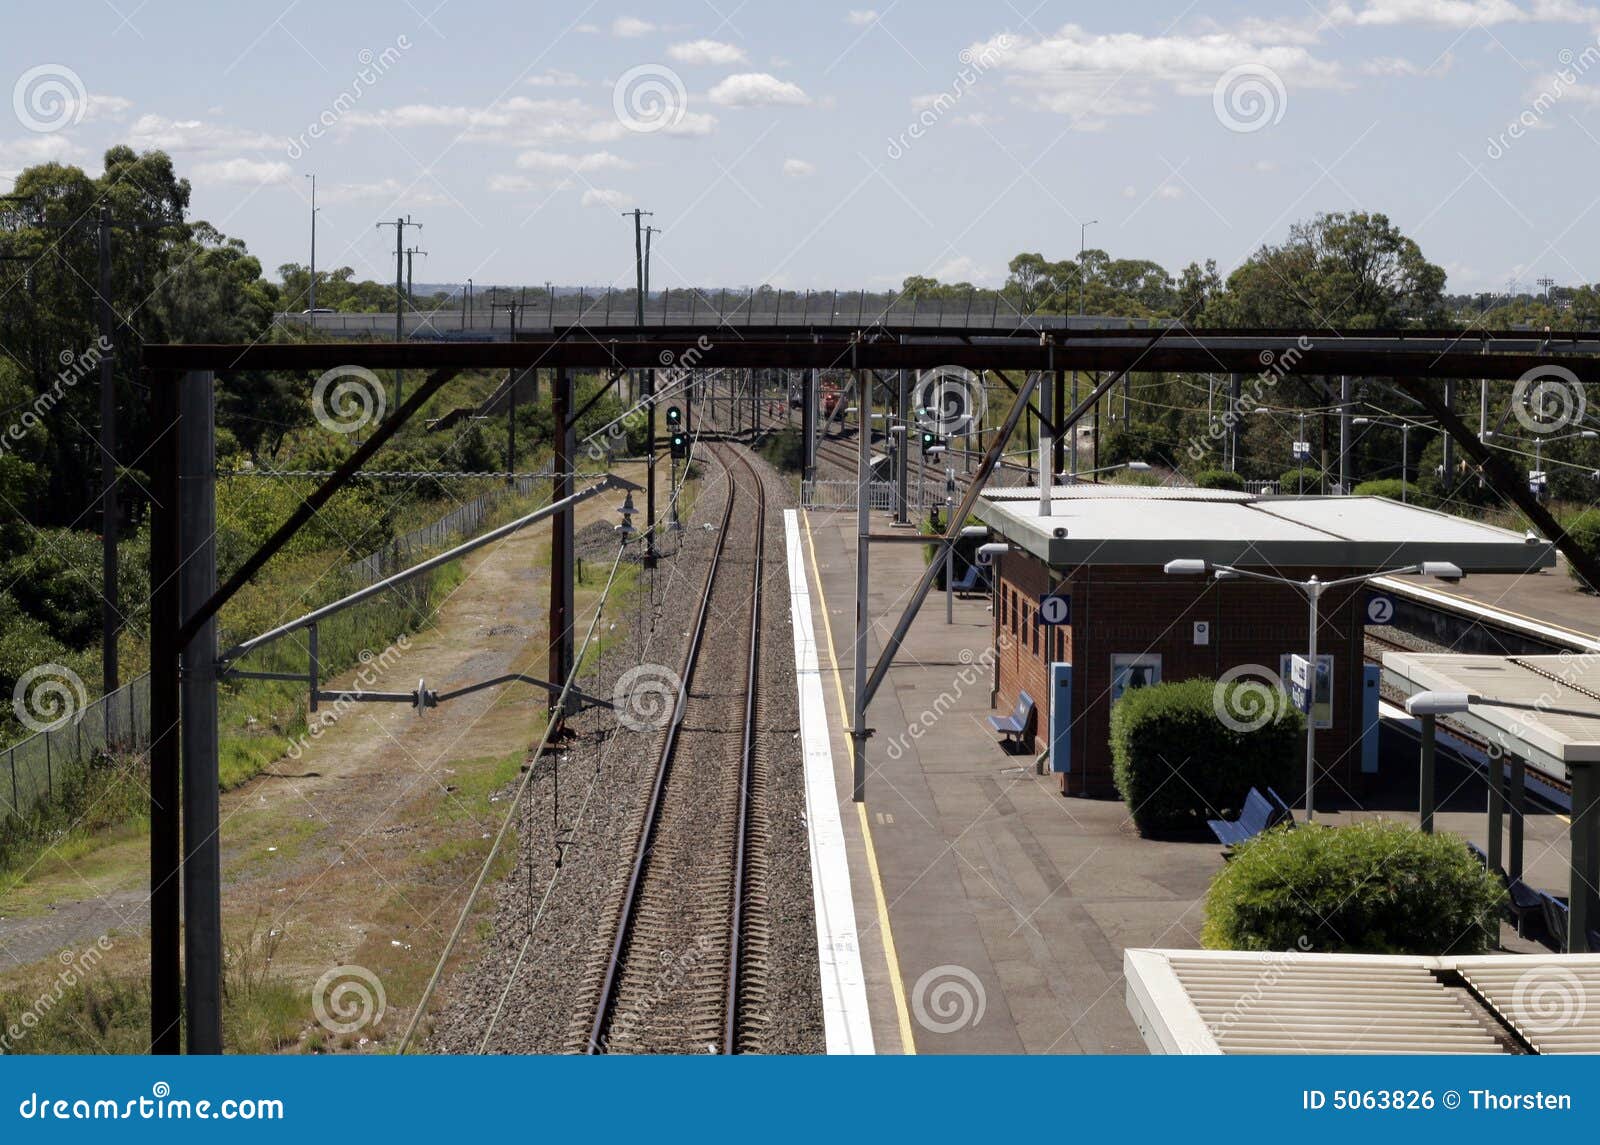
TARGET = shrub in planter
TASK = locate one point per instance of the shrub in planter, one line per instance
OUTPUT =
(1585, 530)
(1221, 739)
(1378, 887)
(1390, 487)
(1289, 481)
(1219, 479)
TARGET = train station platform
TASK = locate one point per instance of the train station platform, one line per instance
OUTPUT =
(992, 913)
(1549, 597)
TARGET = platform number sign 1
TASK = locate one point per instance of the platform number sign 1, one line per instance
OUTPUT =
(1055, 608)
(1380, 609)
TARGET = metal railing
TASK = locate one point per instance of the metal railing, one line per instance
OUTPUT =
(34, 771)
(800, 309)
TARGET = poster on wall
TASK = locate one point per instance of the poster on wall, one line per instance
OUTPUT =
(1133, 670)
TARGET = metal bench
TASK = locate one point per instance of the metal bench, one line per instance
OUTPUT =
(1017, 727)
(1256, 816)
(971, 581)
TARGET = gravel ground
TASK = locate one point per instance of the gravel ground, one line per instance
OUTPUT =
(552, 916)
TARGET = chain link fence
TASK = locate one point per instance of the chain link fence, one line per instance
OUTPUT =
(33, 771)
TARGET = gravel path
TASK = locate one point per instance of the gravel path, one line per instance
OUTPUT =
(553, 923)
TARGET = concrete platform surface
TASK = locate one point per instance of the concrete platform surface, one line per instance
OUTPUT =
(994, 912)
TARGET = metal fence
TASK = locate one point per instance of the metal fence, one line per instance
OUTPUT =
(33, 771)
(1261, 488)
(588, 309)
(463, 521)
(828, 494)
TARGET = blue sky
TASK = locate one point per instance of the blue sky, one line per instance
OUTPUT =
(806, 145)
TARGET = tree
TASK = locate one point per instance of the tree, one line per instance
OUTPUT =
(1339, 271)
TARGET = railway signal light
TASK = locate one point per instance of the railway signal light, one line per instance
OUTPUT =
(680, 444)
(674, 417)
(931, 442)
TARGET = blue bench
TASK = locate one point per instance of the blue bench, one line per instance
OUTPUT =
(1256, 816)
(971, 580)
(1018, 726)
(1285, 815)
(1524, 905)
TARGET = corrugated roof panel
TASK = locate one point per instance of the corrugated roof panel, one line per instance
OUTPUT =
(1291, 1003)
(1554, 1006)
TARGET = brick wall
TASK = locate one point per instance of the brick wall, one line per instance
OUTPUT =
(1138, 610)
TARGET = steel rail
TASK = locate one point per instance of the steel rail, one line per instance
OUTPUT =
(630, 900)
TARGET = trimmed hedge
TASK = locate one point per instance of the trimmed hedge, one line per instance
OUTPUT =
(1180, 727)
(1377, 887)
(1390, 487)
(1219, 479)
(1289, 481)
(1585, 530)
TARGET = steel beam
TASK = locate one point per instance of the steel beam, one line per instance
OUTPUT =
(202, 852)
(166, 856)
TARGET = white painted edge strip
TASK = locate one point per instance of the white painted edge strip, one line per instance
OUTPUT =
(846, 1023)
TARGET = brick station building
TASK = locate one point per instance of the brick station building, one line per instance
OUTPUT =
(1104, 546)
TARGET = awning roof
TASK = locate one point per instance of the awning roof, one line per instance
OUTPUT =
(1145, 525)
(1251, 1002)
(1555, 720)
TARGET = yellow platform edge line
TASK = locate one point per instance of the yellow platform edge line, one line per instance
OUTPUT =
(908, 1043)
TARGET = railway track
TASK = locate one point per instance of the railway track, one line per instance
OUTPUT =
(684, 972)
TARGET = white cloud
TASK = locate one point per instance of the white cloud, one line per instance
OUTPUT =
(600, 197)
(751, 89)
(507, 184)
(1094, 77)
(1169, 191)
(630, 27)
(415, 193)
(244, 172)
(1265, 166)
(20, 153)
(555, 78)
(707, 52)
(155, 131)
(550, 161)
(1398, 66)
(517, 121)
(861, 17)
(1459, 13)
(1130, 192)
(962, 268)
(798, 168)
(976, 119)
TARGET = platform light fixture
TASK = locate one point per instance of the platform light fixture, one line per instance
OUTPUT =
(1313, 590)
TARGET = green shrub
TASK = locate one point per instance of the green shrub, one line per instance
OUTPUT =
(1167, 728)
(1377, 887)
(785, 450)
(1390, 487)
(1585, 530)
(1289, 480)
(1219, 479)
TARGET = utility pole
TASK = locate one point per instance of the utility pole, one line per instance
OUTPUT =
(649, 396)
(399, 226)
(311, 290)
(110, 618)
(411, 296)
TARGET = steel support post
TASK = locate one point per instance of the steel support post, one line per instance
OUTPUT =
(1344, 435)
(1518, 808)
(808, 423)
(166, 890)
(1231, 421)
(313, 664)
(902, 450)
(202, 856)
(1425, 784)
(561, 548)
(858, 718)
(1497, 813)
(515, 376)
(1314, 595)
(1585, 857)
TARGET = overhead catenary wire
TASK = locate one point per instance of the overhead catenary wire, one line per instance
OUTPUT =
(505, 825)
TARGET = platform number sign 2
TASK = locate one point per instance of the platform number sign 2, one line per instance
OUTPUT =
(1380, 609)
(1055, 608)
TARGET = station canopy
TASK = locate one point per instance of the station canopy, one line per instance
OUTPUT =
(1144, 525)
(1545, 709)
(1296, 1002)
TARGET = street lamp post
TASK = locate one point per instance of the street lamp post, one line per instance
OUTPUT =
(1300, 438)
(311, 293)
(1405, 428)
(1314, 589)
